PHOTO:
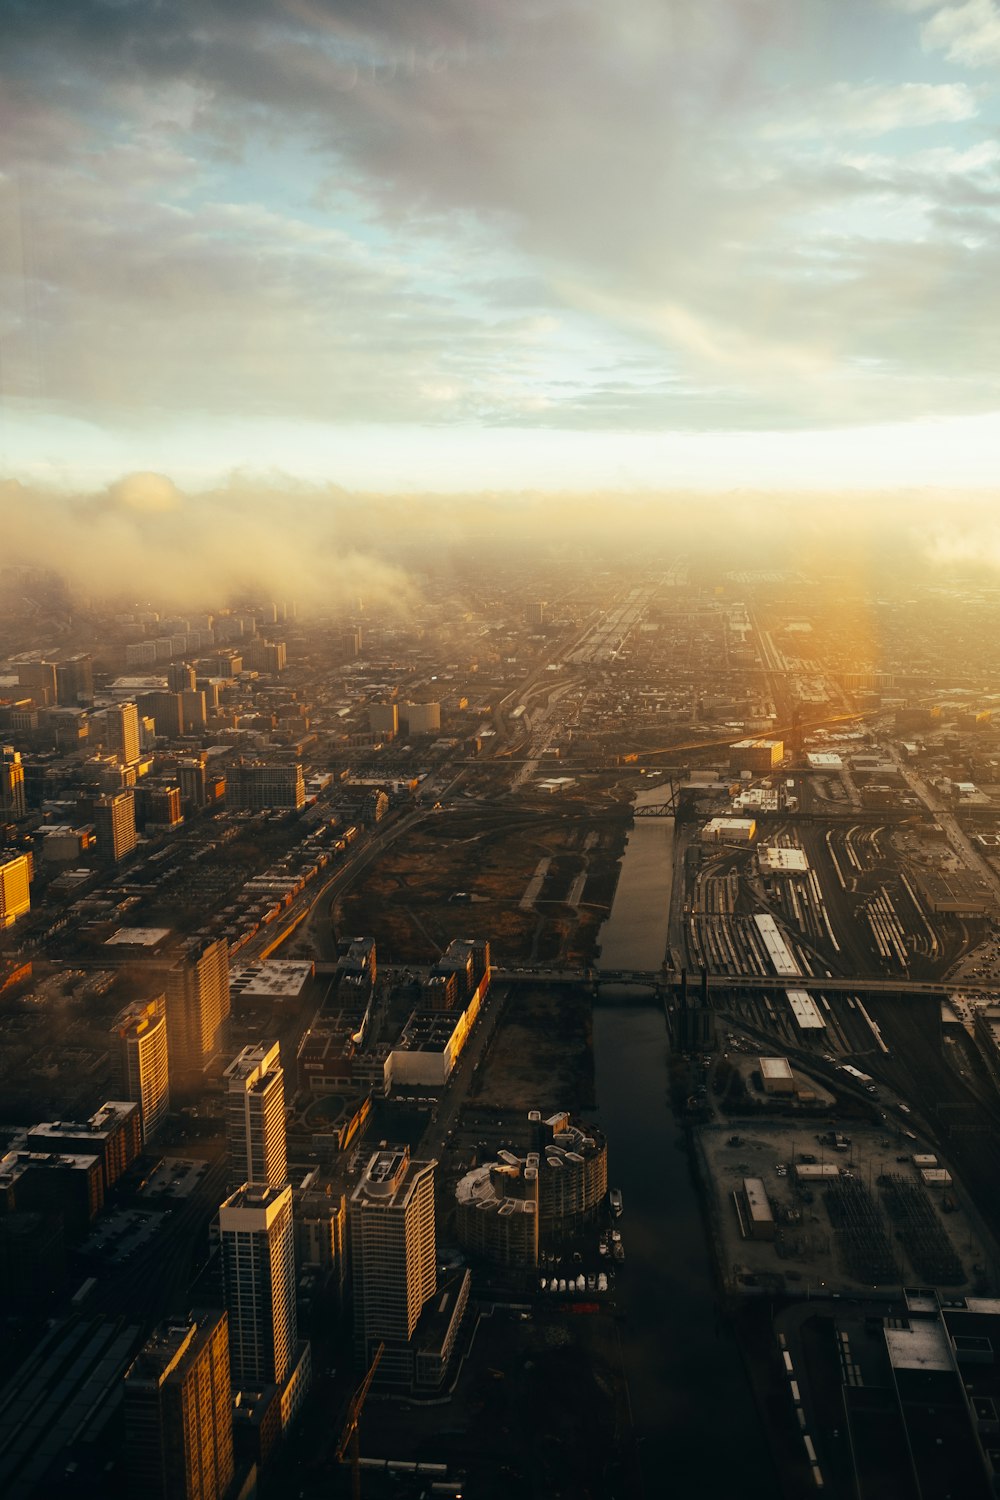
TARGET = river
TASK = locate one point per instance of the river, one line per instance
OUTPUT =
(695, 1422)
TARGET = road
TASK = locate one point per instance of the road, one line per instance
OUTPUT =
(958, 840)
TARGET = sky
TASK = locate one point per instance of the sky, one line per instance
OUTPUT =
(468, 246)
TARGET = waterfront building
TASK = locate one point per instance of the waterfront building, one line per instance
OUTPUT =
(397, 1301)
(507, 1209)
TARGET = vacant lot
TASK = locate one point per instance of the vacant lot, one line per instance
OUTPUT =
(470, 874)
(542, 1056)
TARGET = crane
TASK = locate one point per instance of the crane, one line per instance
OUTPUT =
(349, 1434)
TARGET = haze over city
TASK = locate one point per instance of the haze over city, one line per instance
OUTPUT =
(499, 749)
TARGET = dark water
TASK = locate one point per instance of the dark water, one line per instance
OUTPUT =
(694, 1417)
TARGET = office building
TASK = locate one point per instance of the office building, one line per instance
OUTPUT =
(75, 682)
(393, 1254)
(197, 994)
(178, 1412)
(194, 710)
(252, 786)
(167, 711)
(159, 804)
(40, 678)
(15, 888)
(12, 798)
(422, 718)
(181, 677)
(255, 1118)
(269, 657)
(53, 1182)
(114, 824)
(758, 757)
(383, 718)
(113, 1134)
(122, 732)
(143, 1060)
(258, 1273)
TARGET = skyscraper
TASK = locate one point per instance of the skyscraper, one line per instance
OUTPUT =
(143, 1058)
(122, 723)
(393, 1251)
(15, 889)
(178, 1412)
(255, 1118)
(12, 802)
(114, 820)
(197, 991)
(258, 1271)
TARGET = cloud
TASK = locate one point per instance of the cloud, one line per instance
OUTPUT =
(444, 213)
(142, 537)
(968, 34)
(868, 109)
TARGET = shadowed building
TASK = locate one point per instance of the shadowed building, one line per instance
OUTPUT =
(178, 1413)
(197, 995)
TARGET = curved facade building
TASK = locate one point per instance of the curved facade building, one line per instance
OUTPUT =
(507, 1209)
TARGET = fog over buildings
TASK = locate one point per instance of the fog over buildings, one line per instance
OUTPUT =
(499, 749)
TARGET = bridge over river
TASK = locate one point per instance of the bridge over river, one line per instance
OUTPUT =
(664, 981)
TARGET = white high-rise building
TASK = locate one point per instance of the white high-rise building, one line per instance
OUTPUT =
(142, 1040)
(258, 1270)
(255, 1118)
(393, 1250)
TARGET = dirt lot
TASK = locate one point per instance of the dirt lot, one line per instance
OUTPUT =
(470, 872)
(542, 1055)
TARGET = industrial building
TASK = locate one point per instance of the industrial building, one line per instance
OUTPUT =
(776, 1075)
(729, 831)
(759, 757)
